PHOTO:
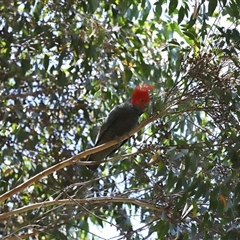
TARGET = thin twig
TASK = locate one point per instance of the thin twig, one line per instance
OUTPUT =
(98, 200)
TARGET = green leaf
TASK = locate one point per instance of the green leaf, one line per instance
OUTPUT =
(158, 9)
(212, 4)
(181, 14)
(61, 79)
(190, 34)
(94, 5)
(162, 228)
(25, 65)
(172, 6)
(181, 201)
(46, 62)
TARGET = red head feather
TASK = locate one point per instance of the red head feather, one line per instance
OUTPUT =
(140, 96)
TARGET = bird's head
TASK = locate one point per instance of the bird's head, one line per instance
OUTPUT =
(140, 96)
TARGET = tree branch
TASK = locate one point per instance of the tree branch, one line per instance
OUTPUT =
(135, 201)
(77, 157)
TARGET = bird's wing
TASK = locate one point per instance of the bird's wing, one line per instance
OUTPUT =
(108, 122)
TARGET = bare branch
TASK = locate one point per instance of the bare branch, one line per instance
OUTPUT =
(83, 201)
(77, 157)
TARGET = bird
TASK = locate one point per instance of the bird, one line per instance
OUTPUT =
(121, 120)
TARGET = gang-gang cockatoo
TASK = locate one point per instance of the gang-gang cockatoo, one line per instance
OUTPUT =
(121, 120)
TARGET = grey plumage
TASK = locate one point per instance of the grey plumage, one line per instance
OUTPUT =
(121, 120)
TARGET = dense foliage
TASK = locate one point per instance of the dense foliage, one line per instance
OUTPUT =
(65, 64)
